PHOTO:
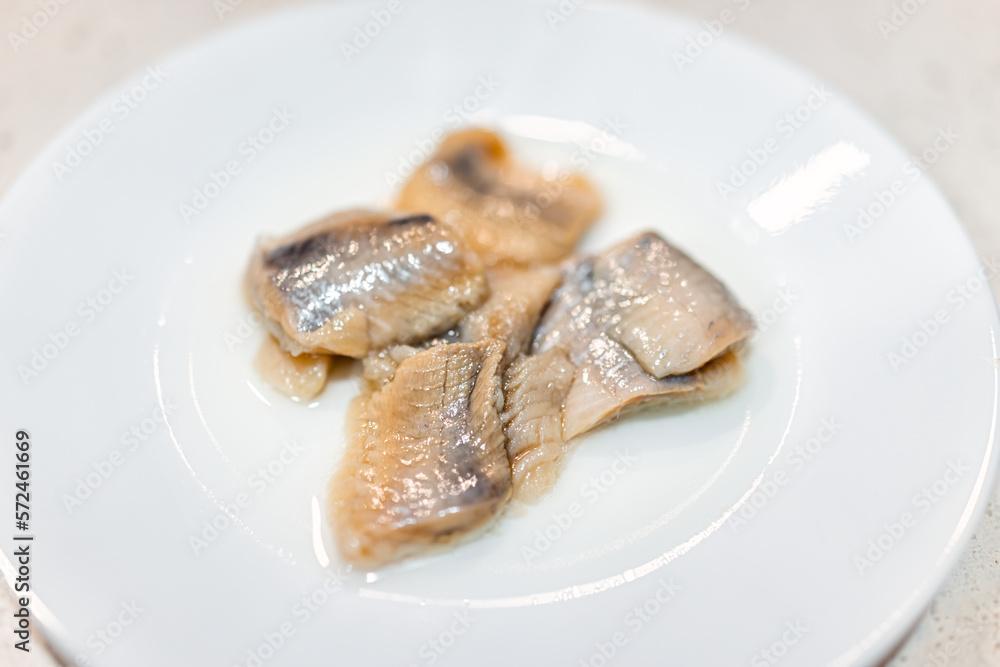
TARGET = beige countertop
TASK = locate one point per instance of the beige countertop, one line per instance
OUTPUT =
(937, 66)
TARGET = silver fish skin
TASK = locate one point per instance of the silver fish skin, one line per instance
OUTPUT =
(608, 379)
(359, 281)
(517, 297)
(665, 308)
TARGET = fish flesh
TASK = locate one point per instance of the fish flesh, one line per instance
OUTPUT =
(611, 383)
(578, 376)
(301, 377)
(584, 314)
(505, 212)
(359, 281)
(549, 401)
(425, 463)
(535, 388)
(510, 313)
(378, 368)
(517, 297)
(668, 311)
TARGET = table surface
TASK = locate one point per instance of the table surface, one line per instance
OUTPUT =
(938, 68)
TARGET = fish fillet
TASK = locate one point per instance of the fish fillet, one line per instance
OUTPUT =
(611, 383)
(426, 463)
(608, 378)
(301, 377)
(506, 213)
(535, 388)
(517, 297)
(671, 314)
(359, 281)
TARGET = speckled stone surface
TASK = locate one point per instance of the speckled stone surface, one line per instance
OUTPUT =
(939, 68)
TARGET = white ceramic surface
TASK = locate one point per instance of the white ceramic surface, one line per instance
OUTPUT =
(717, 509)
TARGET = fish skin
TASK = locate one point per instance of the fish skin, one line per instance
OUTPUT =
(426, 463)
(517, 297)
(506, 213)
(667, 310)
(608, 379)
(359, 281)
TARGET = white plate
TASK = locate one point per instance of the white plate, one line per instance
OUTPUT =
(703, 537)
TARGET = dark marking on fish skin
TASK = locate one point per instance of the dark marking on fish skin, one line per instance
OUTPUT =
(296, 253)
(466, 165)
(301, 252)
(422, 219)
(646, 240)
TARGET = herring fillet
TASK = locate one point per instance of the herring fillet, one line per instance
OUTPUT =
(667, 310)
(426, 462)
(506, 213)
(517, 297)
(534, 390)
(577, 376)
(358, 281)
(608, 378)
(301, 377)
(611, 383)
